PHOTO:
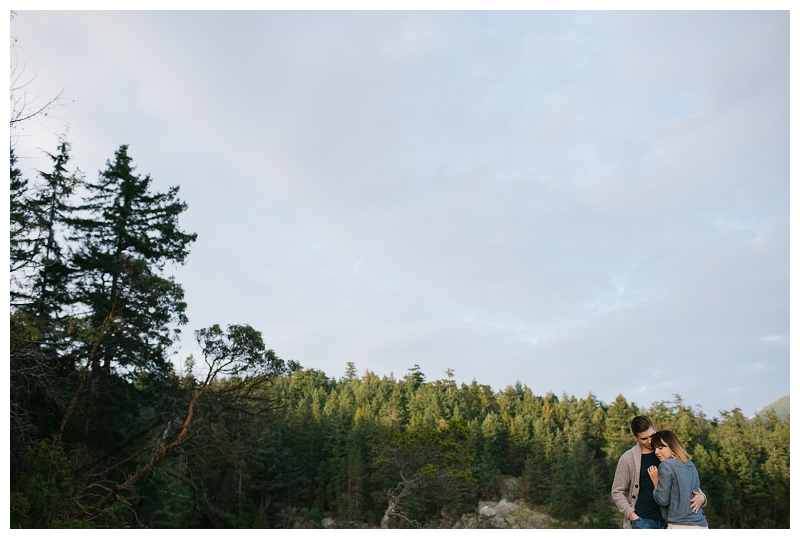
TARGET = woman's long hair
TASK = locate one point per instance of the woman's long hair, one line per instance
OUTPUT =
(667, 438)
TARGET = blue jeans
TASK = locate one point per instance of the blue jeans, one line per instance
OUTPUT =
(648, 524)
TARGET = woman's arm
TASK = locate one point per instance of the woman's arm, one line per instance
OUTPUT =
(652, 471)
(662, 489)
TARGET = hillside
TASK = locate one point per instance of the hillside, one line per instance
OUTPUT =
(780, 407)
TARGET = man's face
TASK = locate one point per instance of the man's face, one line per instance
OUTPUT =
(645, 439)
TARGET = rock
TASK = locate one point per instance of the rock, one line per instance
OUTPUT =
(539, 521)
(327, 522)
(523, 504)
(467, 522)
(487, 511)
(504, 514)
(509, 488)
(504, 506)
(497, 523)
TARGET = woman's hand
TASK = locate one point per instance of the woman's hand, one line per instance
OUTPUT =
(653, 473)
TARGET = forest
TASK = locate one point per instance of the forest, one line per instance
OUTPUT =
(106, 432)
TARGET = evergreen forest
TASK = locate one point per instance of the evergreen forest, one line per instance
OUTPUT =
(106, 433)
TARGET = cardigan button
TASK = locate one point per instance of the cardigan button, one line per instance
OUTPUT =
(634, 496)
(635, 486)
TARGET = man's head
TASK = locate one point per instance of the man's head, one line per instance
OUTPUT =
(643, 430)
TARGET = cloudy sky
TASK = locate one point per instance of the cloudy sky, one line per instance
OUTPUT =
(581, 201)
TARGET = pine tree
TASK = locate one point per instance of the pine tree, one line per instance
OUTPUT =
(51, 202)
(126, 235)
(415, 377)
(350, 373)
(536, 473)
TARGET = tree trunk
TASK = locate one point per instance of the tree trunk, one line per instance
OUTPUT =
(394, 506)
(389, 512)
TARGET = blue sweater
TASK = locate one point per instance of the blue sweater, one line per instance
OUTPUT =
(676, 481)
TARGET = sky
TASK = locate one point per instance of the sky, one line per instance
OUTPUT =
(578, 201)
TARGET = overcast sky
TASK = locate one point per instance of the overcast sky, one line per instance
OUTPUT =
(581, 201)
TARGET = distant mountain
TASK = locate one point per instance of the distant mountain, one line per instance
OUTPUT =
(780, 407)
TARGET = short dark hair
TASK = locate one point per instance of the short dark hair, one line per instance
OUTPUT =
(641, 423)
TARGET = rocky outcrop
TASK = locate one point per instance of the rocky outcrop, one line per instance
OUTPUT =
(504, 515)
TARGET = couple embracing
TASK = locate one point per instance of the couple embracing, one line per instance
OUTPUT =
(656, 485)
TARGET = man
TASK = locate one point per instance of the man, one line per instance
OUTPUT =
(632, 490)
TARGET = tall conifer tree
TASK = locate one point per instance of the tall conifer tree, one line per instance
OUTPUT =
(126, 235)
(52, 207)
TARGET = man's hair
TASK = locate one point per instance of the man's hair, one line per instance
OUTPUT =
(641, 423)
(668, 438)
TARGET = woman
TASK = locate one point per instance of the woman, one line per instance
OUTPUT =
(674, 480)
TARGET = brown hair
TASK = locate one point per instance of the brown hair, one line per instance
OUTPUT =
(667, 438)
(641, 423)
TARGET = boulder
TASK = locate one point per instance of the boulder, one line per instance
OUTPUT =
(510, 488)
(505, 506)
(487, 511)
(539, 521)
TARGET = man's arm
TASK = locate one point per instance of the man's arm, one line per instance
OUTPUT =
(620, 488)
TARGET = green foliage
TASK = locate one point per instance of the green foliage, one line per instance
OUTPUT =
(25, 234)
(48, 496)
(431, 464)
(601, 514)
(316, 456)
(425, 452)
(50, 293)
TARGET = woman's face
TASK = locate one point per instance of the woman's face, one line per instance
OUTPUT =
(663, 453)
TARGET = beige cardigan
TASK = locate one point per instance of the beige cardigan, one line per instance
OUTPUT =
(625, 488)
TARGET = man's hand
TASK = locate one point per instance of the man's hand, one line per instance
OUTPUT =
(697, 501)
(633, 516)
